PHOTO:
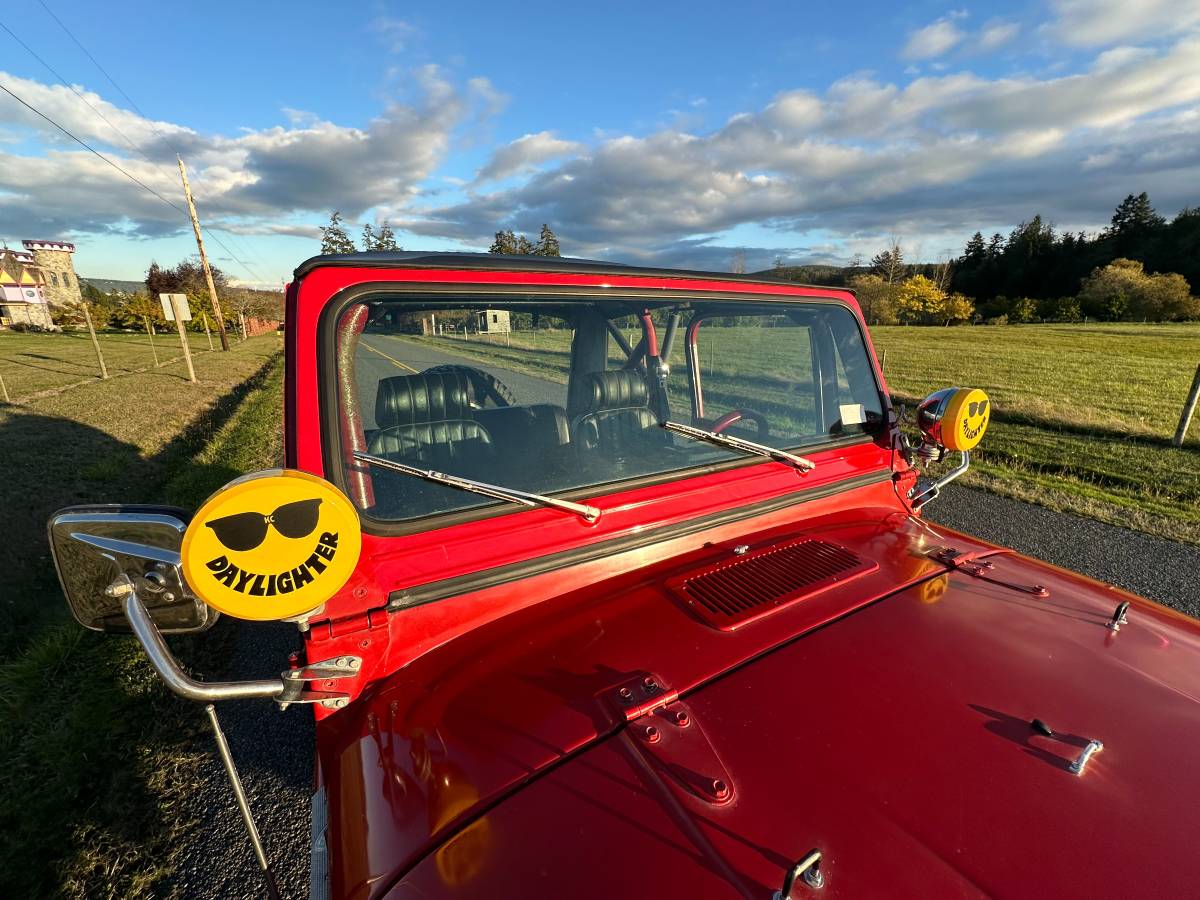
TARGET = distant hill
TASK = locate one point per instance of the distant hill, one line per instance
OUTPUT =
(114, 285)
(834, 276)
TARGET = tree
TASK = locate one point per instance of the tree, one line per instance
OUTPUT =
(1122, 289)
(547, 244)
(957, 308)
(369, 241)
(1135, 215)
(737, 264)
(387, 237)
(512, 244)
(976, 251)
(876, 297)
(334, 238)
(920, 301)
(888, 264)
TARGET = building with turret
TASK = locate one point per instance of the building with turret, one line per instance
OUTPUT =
(54, 258)
(22, 291)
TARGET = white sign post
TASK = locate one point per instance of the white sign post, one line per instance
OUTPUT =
(168, 301)
(175, 308)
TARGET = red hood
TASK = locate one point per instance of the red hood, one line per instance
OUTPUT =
(896, 740)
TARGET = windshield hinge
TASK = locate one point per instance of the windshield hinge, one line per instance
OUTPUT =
(977, 564)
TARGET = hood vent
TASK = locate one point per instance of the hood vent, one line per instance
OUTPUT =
(748, 587)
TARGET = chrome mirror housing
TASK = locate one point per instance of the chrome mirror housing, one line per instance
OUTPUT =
(94, 546)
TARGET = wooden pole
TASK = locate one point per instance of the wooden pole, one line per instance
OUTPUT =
(1189, 408)
(4, 390)
(177, 312)
(95, 343)
(242, 319)
(883, 361)
(150, 332)
(207, 333)
(212, 288)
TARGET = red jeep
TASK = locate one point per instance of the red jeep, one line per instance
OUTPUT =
(644, 606)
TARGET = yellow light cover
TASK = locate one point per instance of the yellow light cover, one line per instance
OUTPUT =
(271, 545)
(966, 419)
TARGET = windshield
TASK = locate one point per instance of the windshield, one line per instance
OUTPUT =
(568, 395)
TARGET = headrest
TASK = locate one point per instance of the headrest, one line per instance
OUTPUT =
(616, 390)
(418, 399)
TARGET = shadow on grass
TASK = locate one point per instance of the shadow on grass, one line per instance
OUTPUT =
(88, 734)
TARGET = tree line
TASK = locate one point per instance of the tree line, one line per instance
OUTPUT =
(1141, 267)
(117, 309)
(335, 239)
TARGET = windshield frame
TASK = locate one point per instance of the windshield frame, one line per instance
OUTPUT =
(332, 450)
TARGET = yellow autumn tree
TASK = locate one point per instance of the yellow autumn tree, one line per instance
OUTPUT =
(919, 301)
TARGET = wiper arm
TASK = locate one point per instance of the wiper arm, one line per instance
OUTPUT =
(724, 440)
(588, 513)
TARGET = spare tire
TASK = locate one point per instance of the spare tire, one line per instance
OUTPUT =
(484, 385)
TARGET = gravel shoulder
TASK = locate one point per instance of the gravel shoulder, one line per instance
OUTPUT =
(1163, 570)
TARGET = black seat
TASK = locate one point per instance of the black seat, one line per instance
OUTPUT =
(427, 419)
(617, 415)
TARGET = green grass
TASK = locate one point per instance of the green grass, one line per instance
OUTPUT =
(1083, 414)
(97, 753)
(35, 364)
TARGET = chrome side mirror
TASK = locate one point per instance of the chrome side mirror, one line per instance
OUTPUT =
(952, 419)
(93, 546)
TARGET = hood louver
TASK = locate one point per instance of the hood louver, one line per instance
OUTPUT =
(732, 594)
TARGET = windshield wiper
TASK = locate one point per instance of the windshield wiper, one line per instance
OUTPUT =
(724, 440)
(588, 513)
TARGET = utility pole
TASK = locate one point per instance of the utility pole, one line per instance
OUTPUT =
(212, 288)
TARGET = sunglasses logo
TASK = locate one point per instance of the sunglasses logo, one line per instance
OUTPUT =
(245, 531)
(977, 408)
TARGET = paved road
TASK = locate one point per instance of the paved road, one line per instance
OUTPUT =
(386, 355)
(274, 750)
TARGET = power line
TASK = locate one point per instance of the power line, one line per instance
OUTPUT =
(131, 177)
(125, 137)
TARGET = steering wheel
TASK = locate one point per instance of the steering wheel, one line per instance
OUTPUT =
(736, 415)
(484, 385)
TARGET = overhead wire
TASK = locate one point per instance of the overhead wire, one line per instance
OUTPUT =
(216, 238)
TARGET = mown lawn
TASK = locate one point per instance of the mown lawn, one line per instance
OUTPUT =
(35, 364)
(1083, 414)
(96, 752)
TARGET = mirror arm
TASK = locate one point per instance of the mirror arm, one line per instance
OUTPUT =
(923, 493)
(168, 669)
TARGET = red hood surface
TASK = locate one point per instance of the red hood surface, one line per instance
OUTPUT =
(889, 731)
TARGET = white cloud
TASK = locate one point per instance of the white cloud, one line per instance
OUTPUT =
(308, 166)
(997, 33)
(930, 156)
(1091, 23)
(395, 34)
(525, 154)
(933, 40)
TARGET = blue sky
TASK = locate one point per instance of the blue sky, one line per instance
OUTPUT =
(656, 133)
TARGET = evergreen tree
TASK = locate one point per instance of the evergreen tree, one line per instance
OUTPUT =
(334, 238)
(369, 241)
(976, 251)
(387, 238)
(505, 242)
(547, 244)
(889, 264)
(1135, 215)
(524, 247)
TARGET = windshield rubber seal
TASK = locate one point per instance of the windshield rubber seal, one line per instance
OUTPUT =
(327, 395)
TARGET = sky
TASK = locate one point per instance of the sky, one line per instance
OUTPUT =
(661, 134)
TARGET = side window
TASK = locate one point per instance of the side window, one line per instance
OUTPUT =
(54, 279)
(66, 279)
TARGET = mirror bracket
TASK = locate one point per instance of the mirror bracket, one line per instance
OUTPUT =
(927, 489)
(287, 689)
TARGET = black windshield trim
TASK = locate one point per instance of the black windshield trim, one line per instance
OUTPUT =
(328, 396)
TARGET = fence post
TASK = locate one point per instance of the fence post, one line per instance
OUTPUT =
(883, 362)
(150, 332)
(1185, 418)
(207, 333)
(4, 390)
(95, 343)
(177, 312)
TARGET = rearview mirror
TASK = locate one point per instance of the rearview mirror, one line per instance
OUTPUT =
(93, 546)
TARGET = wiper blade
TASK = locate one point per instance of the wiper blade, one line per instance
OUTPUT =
(724, 440)
(588, 513)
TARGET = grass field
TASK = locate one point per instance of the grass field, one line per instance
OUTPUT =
(1083, 414)
(37, 364)
(96, 751)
